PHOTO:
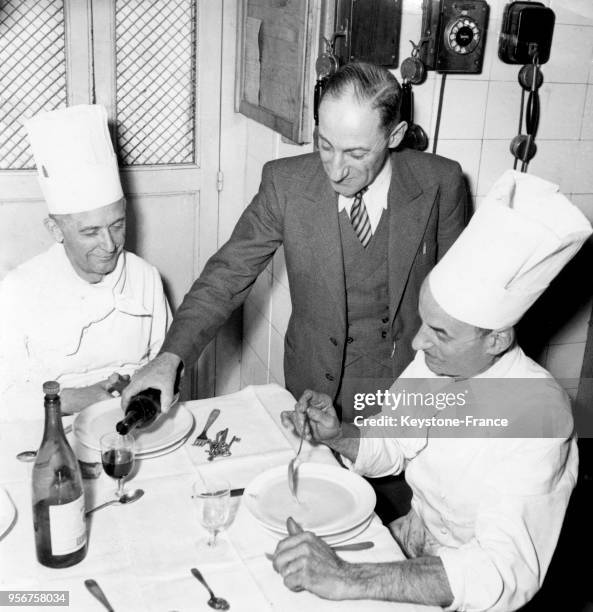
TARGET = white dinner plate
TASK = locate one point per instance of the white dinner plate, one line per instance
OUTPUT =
(101, 418)
(7, 512)
(95, 454)
(332, 499)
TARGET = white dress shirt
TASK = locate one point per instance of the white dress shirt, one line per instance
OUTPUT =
(375, 198)
(492, 508)
(56, 326)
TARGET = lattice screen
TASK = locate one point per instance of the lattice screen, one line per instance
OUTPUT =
(156, 75)
(32, 71)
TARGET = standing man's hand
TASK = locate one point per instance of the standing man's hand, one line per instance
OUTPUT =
(305, 561)
(160, 373)
(323, 424)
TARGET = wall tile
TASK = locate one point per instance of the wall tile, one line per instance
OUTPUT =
(253, 370)
(464, 105)
(502, 110)
(281, 307)
(256, 330)
(561, 110)
(411, 7)
(495, 159)
(554, 162)
(565, 360)
(587, 123)
(581, 163)
(573, 12)
(585, 203)
(570, 58)
(266, 140)
(22, 224)
(287, 149)
(277, 356)
(467, 153)
(253, 169)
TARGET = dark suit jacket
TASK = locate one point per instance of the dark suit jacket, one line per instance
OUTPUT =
(296, 207)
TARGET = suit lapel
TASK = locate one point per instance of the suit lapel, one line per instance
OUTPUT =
(320, 220)
(409, 208)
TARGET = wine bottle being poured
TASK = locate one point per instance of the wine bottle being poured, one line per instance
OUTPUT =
(144, 408)
(142, 411)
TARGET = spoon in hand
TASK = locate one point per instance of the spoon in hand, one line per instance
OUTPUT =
(292, 469)
(218, 603)
(126, 498)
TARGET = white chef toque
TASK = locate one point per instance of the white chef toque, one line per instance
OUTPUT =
(76, 165)
(518, 240)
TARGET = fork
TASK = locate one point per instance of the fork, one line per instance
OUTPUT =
(291, 465)
(203, 438)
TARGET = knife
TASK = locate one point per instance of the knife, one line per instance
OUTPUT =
(237, 492)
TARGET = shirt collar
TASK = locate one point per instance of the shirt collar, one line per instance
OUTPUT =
(375, 198)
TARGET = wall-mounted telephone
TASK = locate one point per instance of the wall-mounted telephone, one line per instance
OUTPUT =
(453, 35)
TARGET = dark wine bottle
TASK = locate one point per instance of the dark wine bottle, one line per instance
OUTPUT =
(59, 517)
(142, 411)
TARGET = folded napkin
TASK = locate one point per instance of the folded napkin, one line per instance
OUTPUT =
(263, 443)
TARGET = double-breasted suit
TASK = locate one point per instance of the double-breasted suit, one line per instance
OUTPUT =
(296, 208)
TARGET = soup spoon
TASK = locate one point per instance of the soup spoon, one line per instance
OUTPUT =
(126, 498)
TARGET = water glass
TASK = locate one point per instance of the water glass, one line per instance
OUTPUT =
(213, 501)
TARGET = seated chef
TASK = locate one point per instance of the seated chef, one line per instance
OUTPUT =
(486, 511)
(85, 312)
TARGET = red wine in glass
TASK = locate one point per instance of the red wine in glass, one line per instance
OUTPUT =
(117, 456)
(117, 463)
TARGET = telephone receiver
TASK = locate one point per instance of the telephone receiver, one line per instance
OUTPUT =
(326, 64)
(415, 137)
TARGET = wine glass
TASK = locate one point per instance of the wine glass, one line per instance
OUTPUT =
(117, 456)
(213, 501)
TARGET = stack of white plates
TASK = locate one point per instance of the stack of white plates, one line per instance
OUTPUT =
(333, 503)
(165, 435)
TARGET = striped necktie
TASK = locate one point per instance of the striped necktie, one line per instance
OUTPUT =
(360, 218)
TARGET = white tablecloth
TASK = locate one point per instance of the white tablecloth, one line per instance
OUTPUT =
(141, 554)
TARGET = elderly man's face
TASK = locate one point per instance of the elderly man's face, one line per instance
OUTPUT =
(451, 348)
(353, 144)
(93, 240)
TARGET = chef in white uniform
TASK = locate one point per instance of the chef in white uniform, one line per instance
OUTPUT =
(85, 312)
(486, 512)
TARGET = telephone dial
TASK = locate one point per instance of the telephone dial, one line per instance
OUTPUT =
(453, 35)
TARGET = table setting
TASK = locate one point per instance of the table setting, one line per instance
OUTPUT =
(202, 501)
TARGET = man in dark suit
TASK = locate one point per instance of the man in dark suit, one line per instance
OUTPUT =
(361, 225)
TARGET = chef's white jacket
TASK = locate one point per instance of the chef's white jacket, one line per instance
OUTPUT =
(56, 326)
(491, 508)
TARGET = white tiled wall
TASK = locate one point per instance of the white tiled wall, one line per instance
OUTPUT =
(479, 118)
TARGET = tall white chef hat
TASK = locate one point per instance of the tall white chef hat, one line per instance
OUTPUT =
(76, 165)
(518, 240)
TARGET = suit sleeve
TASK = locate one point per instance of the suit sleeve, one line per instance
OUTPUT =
(229, 274)
(453, 209)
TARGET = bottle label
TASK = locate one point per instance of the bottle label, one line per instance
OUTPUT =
(67, 527)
